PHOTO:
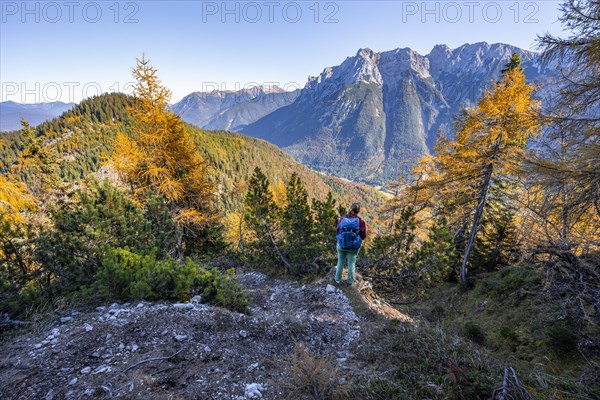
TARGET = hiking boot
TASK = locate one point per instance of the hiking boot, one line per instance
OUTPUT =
(348, 283)
(336, 282)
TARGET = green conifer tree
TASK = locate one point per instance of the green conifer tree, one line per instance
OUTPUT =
(298, 223)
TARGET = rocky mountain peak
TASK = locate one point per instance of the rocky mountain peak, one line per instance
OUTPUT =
(405, 59)
(360, 68)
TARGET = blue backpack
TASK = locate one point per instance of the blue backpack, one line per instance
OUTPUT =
(348, 236)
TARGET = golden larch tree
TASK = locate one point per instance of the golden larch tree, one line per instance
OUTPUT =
(491, 139)
(162, 157)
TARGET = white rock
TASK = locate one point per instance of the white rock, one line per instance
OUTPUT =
(253, 391)
(101, 369)
(134, 347)
(207, 349)
(55, 332)
(180, 338)
(72, 381)
(330, 288)
(86, 370)
(38, 345)
(49, 395)
(140, 305)
(252, 367)
(88, 327)
(101, 308)
(196, 299)
(183, 306)
(66, 319)
(243, 334)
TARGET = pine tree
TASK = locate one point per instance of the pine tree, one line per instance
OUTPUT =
(96, 216)
(37, 164)
(162, 158)
(262, 215)
(298, 223)
(434, 258)
(326, 219)
(514, 63)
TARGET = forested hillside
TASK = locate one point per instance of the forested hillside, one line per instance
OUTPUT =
(83, 138)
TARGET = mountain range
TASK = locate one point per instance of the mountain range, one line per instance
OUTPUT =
(12, 112)
(232, 110)
(371, 117)
(367, 119)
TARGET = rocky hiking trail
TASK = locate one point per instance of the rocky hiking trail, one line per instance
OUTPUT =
(184, 350)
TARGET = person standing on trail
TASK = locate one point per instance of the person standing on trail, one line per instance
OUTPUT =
(351, 231)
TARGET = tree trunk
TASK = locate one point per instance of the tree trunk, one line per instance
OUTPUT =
(287, 264)
(459, 240)
(241, 235)
(477, 220)
(178, 236)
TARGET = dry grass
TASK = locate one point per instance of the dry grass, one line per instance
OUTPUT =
(312, 376)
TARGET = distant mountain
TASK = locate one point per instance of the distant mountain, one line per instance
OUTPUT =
(232, 110)
(371, 117)
(11, 113)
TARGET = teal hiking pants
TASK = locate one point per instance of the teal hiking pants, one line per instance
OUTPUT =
(346, 257)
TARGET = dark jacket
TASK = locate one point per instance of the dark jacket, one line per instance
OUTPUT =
(361, 224)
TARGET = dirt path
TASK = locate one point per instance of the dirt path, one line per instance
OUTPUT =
(179, 351)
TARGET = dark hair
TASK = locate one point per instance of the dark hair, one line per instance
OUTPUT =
(354, 209)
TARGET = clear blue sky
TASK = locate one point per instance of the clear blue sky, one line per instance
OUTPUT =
(67, 50)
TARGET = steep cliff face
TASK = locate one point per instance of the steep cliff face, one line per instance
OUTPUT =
(372, 116)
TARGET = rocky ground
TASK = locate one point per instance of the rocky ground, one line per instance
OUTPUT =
(180, 351)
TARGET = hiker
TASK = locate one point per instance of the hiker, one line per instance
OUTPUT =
(351, 231)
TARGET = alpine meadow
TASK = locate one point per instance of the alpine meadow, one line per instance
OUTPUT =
(192, 249)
